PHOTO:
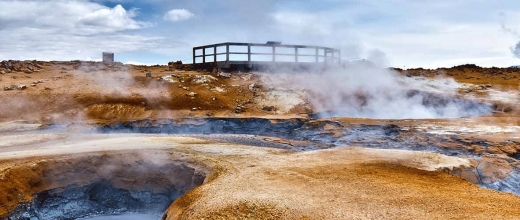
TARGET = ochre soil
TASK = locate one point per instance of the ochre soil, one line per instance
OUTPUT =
(247, 182)
(82, 91)
(342, 183)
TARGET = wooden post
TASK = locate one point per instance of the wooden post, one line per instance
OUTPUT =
(194, 55)
(295, 54)
(317, 55)
(274, 52)
(215, 54)
(332, 57)
(325, 55)
(203, 54)
(249, 55)
(227, 53)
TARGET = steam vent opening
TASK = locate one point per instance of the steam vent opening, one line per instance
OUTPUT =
(413, 105)
(123, 186)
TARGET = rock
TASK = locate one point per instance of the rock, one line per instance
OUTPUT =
(489, 85)
(180, 86)
(7, 88)
(213, 98)
(408, 75)
(186, 88)
(192, 94)
(268, 108)
(3, 72)
(149, 74)
(225, 75)
(194, 109)
(253, 86)
(508, 109)
(33, 85)
(21, 87)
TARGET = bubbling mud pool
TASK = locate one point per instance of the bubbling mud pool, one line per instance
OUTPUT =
(125, 186)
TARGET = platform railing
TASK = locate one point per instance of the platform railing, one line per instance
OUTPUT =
(329, 54)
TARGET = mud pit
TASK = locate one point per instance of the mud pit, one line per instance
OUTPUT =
(146, 182)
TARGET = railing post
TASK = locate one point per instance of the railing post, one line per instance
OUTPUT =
(339, 56)
(317, 55)
(203, 54)
(332, 57)
(227, 53)
(274, 52)
(325, 55)
(296, 54)
(194, 55)
(215, 54)
(249, 55)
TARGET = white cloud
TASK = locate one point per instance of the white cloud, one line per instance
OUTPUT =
(67, 30)
(115, 19)
(79, 17)
(178, 15)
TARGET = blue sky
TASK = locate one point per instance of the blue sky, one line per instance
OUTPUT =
(400, 33)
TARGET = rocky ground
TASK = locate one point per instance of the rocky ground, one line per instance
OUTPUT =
(234, 145)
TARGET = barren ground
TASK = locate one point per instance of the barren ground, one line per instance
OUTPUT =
(428, 169)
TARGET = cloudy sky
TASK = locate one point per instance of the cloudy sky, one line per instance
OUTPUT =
(410, 33)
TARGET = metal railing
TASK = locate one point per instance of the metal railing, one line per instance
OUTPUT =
(328, 55)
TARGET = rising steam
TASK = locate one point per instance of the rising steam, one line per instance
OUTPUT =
(365, 90)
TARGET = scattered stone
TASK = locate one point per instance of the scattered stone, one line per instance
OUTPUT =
(33, 85)
(149, 74)
(268, 108)
(194, 109)
(192, 94)
(180, 86)
(489, 85)
(213, 98)
(21, 87)
(224, 75)
(253, 86)
(238, 109)
(408, 75)
(186, 88)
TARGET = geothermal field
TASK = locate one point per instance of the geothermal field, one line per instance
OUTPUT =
(103, 140)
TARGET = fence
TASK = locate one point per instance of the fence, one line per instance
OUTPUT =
(321, 54)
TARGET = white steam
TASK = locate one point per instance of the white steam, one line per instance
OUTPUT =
(364, 90)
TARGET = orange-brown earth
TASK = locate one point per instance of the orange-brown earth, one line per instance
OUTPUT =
(244, 182)
(79, 91)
